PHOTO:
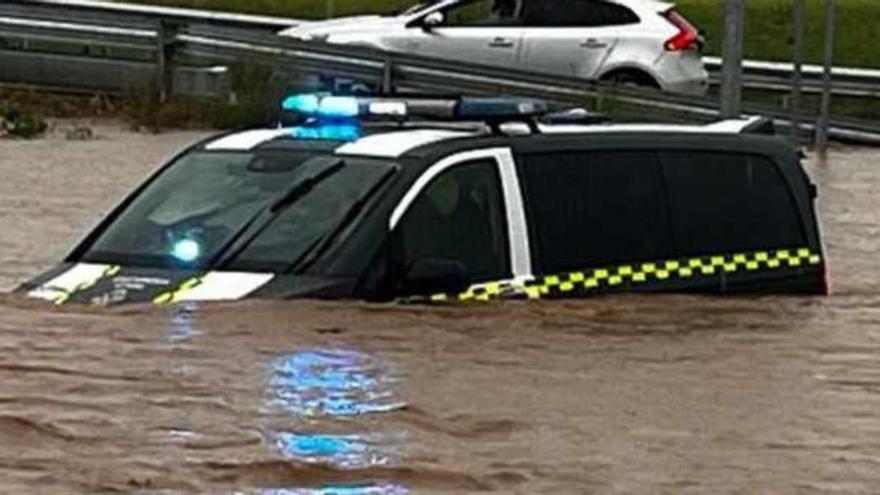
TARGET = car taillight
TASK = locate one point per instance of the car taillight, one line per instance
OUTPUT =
(687, 35)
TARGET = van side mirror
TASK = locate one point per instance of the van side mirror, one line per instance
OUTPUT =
(437, 275)
(433, 20)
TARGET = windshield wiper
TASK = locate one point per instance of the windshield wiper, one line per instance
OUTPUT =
(323, 242)
(280, 204)
(304, 187)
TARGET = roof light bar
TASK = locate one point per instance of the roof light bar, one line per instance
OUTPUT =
(325, 106)
(499, 108)
(339, 107)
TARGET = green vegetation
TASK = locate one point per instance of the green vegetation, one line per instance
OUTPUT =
(20, 121)
(768, 24)
(769, 35)
(299, 9)
(255, 103)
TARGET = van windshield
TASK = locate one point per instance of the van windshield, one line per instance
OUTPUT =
(263, 209)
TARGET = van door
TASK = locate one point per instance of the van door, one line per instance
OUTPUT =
(452, 228)
(471, 32)
(571, 37)
(594, 210)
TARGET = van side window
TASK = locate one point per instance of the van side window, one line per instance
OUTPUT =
(727, 202)
(458, 218)
(593, 209)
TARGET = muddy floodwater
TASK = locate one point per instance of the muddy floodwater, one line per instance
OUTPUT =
(617, 395)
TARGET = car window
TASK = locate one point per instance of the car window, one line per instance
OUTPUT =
(726, 202)
(458, 217)
(577, 13)
(594, 209)
(483, 12)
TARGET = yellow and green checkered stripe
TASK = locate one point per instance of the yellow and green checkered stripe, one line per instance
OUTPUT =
(639, 275)
(64, 296)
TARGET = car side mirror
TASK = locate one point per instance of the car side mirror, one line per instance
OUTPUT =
(437, 275)
(433, 20)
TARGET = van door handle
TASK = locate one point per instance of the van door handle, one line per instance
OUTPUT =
(593, 43)
(501, 43)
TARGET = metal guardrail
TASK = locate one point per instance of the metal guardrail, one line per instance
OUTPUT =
(133, 43)
(452, 76)
(763, 75)
(86, 10)
(776, 76)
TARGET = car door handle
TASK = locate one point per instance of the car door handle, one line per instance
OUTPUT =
(593, 43)
(501, 43)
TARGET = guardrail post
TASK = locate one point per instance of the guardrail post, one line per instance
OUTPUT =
(165, 45)
(388, 77)
(797, 26)
(825, 108)
(732, 53)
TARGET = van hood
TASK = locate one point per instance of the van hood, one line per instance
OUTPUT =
(315, 31)
(112, 285)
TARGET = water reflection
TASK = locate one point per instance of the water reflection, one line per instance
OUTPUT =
(344, 451)
(182, 329)
(332, 382)
(377, 489)
(324, 397)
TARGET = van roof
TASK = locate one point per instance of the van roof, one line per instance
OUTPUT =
(387, 140)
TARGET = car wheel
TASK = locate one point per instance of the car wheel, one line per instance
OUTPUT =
(631, 78)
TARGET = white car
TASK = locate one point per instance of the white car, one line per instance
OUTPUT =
(641, 42)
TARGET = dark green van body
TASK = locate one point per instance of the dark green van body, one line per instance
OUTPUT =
(482, 217)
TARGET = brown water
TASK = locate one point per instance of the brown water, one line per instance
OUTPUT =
(624, 395)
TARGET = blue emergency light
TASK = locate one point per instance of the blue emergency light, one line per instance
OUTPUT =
(322, 106)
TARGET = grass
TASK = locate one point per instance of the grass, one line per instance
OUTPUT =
(21, 116)
(768, 29)
(768, 22)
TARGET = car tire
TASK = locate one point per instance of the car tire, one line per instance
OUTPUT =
(631, 78)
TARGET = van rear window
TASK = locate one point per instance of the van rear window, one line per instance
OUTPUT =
(723, 202)
(591, 209)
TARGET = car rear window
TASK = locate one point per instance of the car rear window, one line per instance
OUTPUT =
(724, 202)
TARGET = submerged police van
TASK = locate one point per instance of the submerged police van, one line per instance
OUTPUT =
(465, 199)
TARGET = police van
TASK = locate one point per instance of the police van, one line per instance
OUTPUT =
(455, 199)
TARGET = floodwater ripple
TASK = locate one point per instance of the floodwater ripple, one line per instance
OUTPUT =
(630, 394)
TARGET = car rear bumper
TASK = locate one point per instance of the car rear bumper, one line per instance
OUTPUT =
(683, 73)
(695, 87)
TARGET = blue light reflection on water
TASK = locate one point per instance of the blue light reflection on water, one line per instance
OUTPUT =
(182, 328)
(366, 489)
(343, 451)
(314, 386)
(332, 382)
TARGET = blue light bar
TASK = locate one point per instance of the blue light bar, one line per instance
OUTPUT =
(322, 106)
(339, 107)
(306, 104)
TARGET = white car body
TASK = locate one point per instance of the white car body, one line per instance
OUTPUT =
(637, 50)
